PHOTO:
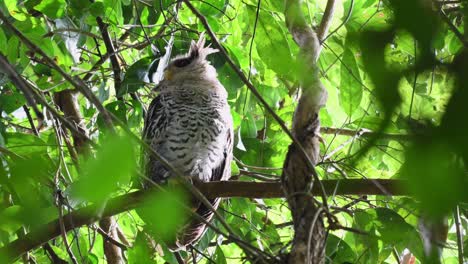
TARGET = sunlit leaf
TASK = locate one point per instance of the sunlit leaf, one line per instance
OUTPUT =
(52, 8)
(350, 84)
(271, 43)
(164, 213)
(111, 168)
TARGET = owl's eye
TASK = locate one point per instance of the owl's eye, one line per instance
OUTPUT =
(182, 62)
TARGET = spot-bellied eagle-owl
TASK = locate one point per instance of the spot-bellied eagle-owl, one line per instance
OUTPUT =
(189, 123)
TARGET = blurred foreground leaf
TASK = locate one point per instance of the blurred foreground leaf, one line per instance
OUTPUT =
(111, 168)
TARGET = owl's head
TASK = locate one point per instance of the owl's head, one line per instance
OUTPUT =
(193, 64)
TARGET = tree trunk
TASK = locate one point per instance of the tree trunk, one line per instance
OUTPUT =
(299, 176)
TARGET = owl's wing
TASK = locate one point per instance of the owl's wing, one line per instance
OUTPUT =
(154, 120)
(155, 125)
(223, 171)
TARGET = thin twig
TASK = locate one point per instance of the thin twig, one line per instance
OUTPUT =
(459, 228)
(75, 82)
(348, 15)
(453, 28)
(364, 133)
(21, 84)
(63, 232)
(110, 238)
(112, 55)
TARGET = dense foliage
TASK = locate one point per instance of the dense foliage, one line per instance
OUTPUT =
(392, 67)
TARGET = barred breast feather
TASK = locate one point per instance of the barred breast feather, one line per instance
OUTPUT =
(191, 127)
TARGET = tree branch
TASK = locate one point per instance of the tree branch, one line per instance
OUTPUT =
(112, 54)
(326, 20)
(75, 82)
(309, 230)
(364, 133)
(225, 189)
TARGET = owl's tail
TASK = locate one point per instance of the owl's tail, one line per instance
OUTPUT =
(195, 229)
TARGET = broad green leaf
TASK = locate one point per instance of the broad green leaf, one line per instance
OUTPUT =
(119, 109)
(136, 76)
(9, 220)
(338, 251)
(10, 100)
(52, 8)
(25, 144)
(366, 245)
(12, 51)
(3, 40)
(350, 83)
(164, 212)
(248, 127)
(391, 226)
(61, 253)
(96, 9)
(219, 257)
(15, 10)
(140, 252)
(136, 114)
(216, 8)
(271, 43)
(110, 169)
(272, 94)
(434, 164)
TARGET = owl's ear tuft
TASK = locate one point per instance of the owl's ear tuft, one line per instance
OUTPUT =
(194, 50)
(198, 49)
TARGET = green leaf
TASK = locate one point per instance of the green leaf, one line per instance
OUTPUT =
(25, 144)
(248, 127)
(215, 9)
(15, 10)
(271, 43)
(219, 257)
(136, 76)
(140, 252)
(97, 9)
(3, 40)
(164, 213)
(391, 226)
(10, 100)
(433, 163)
(9, 221)
(338, 251)
(272, 94)
(119, 109)
(111, 168)
(52, 8)
(366, 246)
(350, 84)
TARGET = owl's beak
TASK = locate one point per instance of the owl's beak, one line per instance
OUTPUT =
(168, 75)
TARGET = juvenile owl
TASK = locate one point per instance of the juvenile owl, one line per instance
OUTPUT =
(189, 123)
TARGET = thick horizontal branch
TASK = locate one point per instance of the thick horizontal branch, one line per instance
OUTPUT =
(89, 214)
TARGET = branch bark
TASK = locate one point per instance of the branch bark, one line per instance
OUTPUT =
(309, 231)
(123, 203)
(112, 55)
